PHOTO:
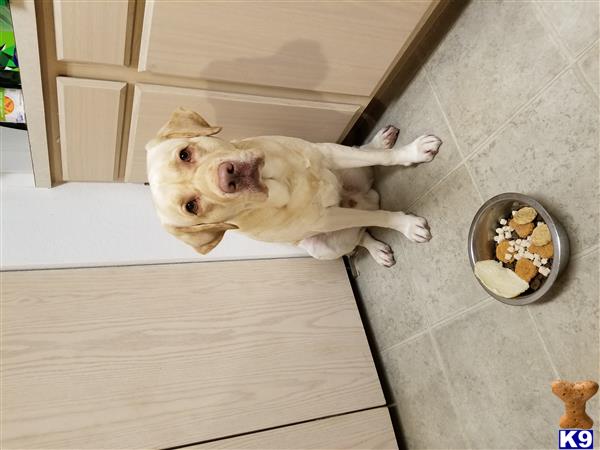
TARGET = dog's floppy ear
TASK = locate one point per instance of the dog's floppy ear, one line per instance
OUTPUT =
(186, 124)
(202, 237)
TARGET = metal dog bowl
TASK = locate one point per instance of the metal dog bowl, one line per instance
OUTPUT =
(482, 245)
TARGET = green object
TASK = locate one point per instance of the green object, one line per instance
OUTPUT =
(8, 49)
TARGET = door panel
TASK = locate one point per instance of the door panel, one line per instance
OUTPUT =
(90, 113)
(167, 355)
(240, 115)
(92, 31)
(361, 430)
(342, 47)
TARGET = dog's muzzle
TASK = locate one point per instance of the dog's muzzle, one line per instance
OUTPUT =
(239, 176)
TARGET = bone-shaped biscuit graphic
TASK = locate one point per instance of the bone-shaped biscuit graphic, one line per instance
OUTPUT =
(574, 395)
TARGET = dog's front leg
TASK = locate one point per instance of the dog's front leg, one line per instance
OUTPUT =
(422, 149)
(336, 218)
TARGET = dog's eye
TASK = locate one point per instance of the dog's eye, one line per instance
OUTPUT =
(192, 207)
(185, 155)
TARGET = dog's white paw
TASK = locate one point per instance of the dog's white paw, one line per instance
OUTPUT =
(385, 138)
(382, 253)
(424, 149)
(414, 228)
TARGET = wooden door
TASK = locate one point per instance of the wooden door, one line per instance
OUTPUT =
(329, 46)
(90, 114)
(93, 31)
(240, 115)
(167, 355)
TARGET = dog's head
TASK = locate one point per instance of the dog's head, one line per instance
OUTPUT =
(200, 183)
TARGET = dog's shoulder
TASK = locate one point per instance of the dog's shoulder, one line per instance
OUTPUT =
(274, 143)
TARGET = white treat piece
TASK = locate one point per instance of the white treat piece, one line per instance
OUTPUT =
(528, 255)
(539, 223)
(506, 228)
(537, 264)
(507, 256)
(518, 241)
(499, 230)
(507, 235)
(503, 222)
(521, 251)
(510, 249)
(514, 212)
(518, 256)
(512, 243)
(498, 238)
(498, 279)
(544, 261)
(511, 229)
(526, 244)
(544, 271)
(529, 238)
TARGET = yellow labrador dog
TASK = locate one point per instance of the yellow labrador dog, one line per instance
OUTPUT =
(277, 189)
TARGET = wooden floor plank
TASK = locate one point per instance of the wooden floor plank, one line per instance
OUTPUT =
(370, 429)
(164, 355)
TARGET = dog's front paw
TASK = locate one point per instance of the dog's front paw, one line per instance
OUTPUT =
(414, 228)
(424, 149)
(385, 138)
(382, 253)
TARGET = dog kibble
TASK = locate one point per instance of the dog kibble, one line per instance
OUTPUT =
(541, 235)
(546, 251)
(525, 215)
(501, 252)
(525, 269)
(522, 230)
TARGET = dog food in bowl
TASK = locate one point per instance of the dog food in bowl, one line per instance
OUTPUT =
(524, 254)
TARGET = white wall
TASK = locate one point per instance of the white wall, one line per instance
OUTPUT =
(89, 224)
(14, 151)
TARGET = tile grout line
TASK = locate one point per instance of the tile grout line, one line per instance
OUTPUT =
(408, 340)
(452, 134)
(479, 304)
(425, 70)
(582, 254)
(518, 111)
(546, 23)
(552, 32)
(543, 342)
(435, 185)
(584, 79)
(437, 324)
(451, 395)
(573, 57)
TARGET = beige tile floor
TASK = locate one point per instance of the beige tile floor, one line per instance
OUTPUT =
(512, 89)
